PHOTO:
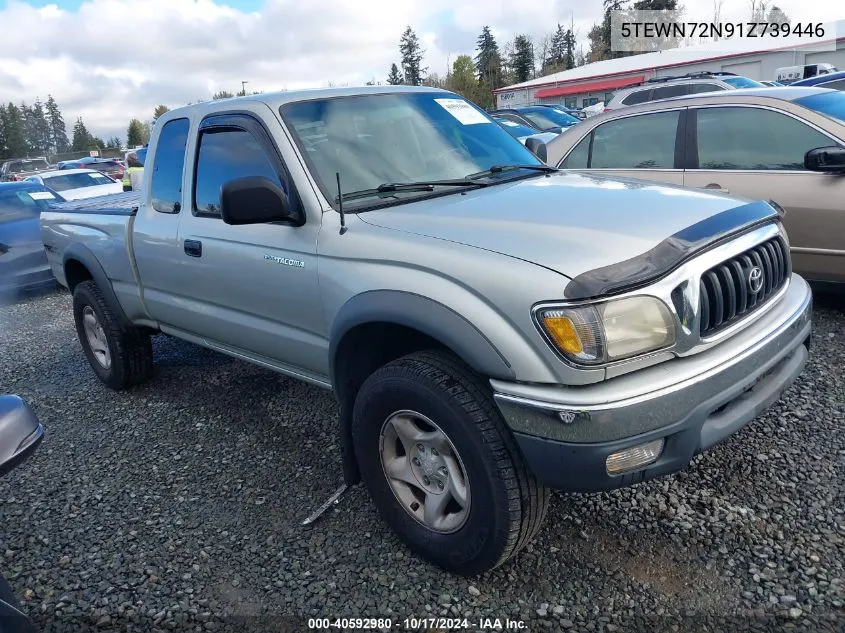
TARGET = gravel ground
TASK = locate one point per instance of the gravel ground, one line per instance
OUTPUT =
(176, 506)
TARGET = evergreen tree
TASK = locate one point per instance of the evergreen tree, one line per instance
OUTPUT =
(488, 61)
(557, 52)
(3, 147)
(58, 133)
(522, 58)
(41, 128)
(656, 5)
(82, 139)
(777, 15)
(395, 77)
(223, 94)
(113, 143)
(15, 132)
(412, 56)
(134, 133)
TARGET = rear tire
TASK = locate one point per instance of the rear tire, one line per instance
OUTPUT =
(434, 400)
(121, 357)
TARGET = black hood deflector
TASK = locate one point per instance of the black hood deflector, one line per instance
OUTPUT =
(670, 253)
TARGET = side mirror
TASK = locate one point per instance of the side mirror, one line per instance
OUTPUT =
(538, 147)
(20, 432)
(255, 200)
(825, 159)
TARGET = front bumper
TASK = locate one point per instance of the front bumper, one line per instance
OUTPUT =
(692, 403)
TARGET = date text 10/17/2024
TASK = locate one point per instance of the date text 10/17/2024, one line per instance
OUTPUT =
(416, 624)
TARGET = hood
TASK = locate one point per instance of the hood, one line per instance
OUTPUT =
(568, 222)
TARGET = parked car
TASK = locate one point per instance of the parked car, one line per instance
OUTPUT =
(23, 263)
(111, 168)
(75, 184)
(772, 84)
(539, 117)
(832, 81)
(790, 74)
(20, 435)
(783, 144)
(491, 327)
(668, 87)
(20, 168)
(522, 132)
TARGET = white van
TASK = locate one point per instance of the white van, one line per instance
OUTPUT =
(788, 74)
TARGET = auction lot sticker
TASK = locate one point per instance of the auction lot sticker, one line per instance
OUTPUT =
(462, 111)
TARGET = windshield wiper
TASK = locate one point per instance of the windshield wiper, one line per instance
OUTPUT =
(498, 169)
(397, 187)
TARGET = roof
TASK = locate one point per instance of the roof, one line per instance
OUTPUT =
(276, 99)
(741, 95)
(819, 79)
(677, 57)
(784, 93)
(595, 86)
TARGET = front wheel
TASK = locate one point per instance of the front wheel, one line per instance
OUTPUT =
(441, 465)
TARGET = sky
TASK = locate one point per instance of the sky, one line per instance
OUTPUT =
(111, 60)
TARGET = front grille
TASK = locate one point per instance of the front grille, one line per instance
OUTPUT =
(742, 284)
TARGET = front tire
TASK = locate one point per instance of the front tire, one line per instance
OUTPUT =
(441, 465)
(121, 357)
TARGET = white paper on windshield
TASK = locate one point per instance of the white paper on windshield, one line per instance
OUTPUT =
(510, 123)
(95, 176)
(41, 195)
(462, 111)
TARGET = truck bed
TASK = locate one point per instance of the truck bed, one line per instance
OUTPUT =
(125, 203)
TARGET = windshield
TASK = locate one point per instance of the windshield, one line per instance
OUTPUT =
(21, 204)
(406, 137)
(549, 117)
(515, 129)
(830, 104)
(742, 82)
(64, 182)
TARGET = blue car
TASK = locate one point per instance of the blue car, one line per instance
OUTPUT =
(542, 118)
(23, 261)
(836, 81)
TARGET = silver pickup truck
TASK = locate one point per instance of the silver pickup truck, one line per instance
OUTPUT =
(492, 328)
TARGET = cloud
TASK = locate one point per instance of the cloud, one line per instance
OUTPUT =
(110, 60)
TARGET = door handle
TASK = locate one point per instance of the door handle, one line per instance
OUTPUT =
(193, 248)
(716, 187)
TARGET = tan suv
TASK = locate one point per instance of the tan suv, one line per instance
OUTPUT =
(781, 144)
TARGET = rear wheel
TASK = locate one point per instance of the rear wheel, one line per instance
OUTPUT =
(441, 465)
(120, 356)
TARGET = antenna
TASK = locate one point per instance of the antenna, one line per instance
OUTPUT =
(340, 205)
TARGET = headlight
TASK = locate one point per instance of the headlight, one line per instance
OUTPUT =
(610, 331)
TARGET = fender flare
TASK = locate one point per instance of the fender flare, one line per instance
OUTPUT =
(424, 315)
(427, 316)
(84, 256)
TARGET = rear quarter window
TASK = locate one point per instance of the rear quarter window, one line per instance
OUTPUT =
(638, 96)
(645, 141)
(168, 166)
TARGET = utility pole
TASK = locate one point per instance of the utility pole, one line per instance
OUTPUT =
(243, 88)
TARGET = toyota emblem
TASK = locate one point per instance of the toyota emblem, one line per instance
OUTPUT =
(755, 280)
